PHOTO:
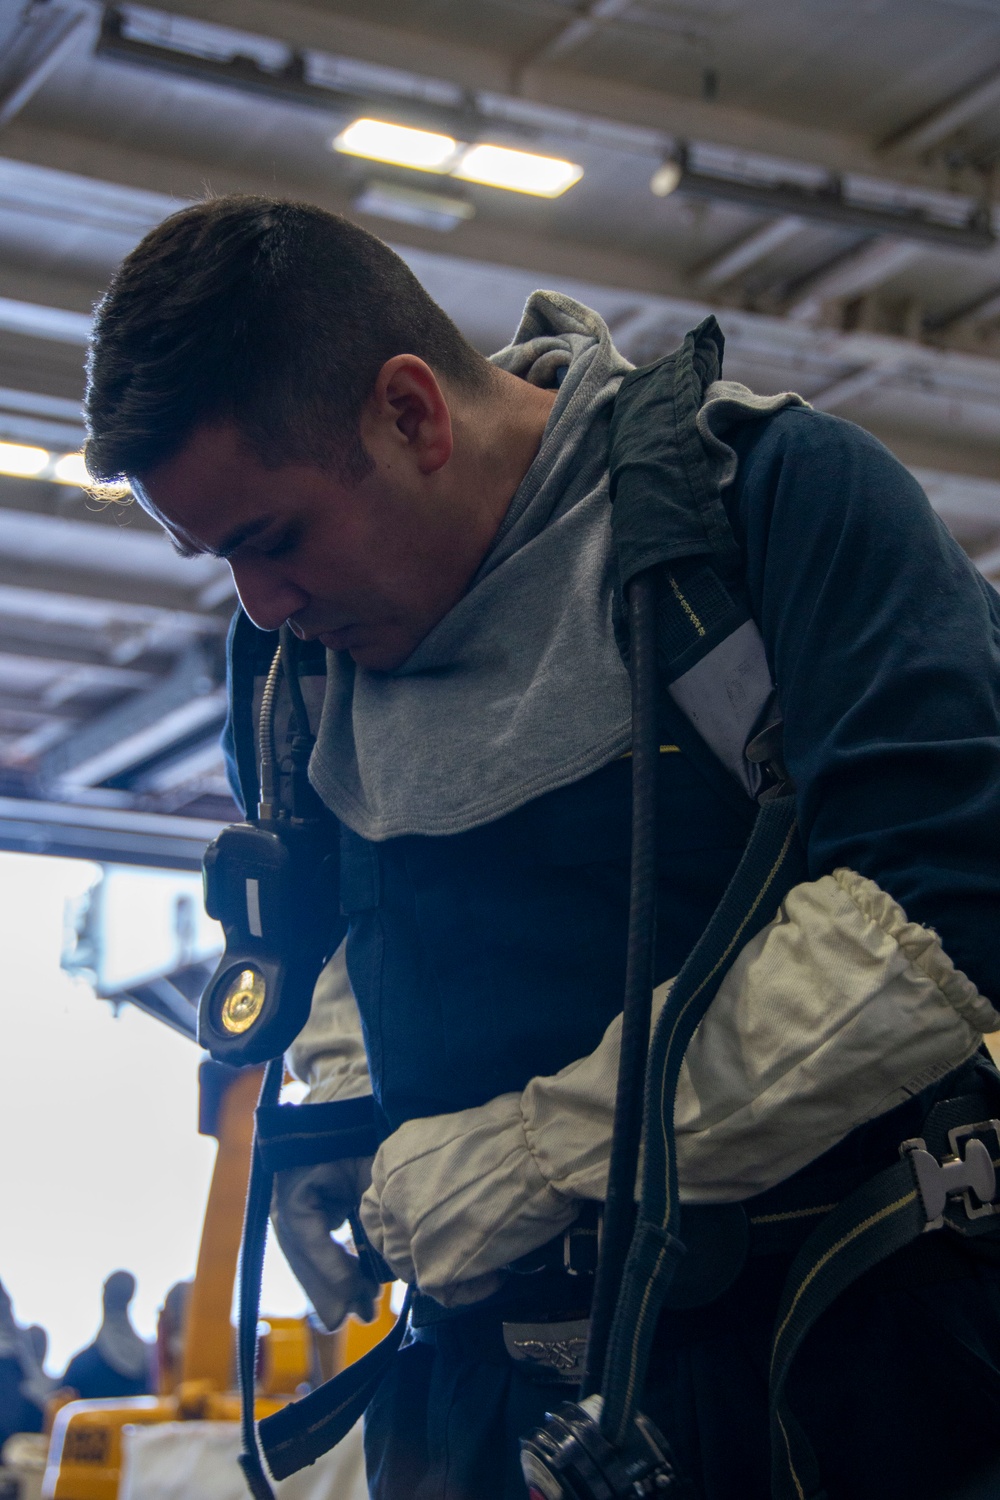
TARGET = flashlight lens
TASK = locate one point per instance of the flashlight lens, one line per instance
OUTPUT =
(244, 1001)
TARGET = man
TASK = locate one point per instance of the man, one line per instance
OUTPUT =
(279, 391)
(118, 1362)
(24, 1385)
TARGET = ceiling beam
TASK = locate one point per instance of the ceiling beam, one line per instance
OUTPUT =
(40, 322)
(930, 129)
(110, 547)
(194, 764)
(981, 310)
(590, 19)
(746, 253)
(130, 629)
(860, 270)
(841, 392)
(104, 833)
(48, 35)
(145, 724)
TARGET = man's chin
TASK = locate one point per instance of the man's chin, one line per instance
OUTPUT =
(375, 655)
(377, 658)
(374, 651)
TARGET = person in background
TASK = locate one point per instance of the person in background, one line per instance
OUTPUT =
(24, 1386)
(117, 1363)
(170, 1329)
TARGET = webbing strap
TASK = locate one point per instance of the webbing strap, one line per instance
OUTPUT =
(772, 863)
(251, 1273)
(302, 1432)
(303, 1135)
(882, 1216)
(874, 1222)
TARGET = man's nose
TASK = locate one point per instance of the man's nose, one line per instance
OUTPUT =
(266, 595)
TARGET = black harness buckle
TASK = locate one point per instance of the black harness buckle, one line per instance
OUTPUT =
(971, 1177)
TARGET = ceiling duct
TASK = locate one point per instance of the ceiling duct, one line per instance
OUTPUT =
(831, 203)
(289, 81)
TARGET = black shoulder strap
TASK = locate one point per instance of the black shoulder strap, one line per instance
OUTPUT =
(668, 517)
(667, 505)
(772, 863)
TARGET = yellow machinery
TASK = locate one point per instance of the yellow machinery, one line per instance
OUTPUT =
(85, 1453)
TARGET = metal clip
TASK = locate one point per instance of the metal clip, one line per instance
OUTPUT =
(937, 1181)
(581, 1249)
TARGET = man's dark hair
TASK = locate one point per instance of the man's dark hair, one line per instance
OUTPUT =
(275, 316)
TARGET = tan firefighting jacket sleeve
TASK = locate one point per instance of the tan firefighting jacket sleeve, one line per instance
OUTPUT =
(328, 1055)
(837, 1011)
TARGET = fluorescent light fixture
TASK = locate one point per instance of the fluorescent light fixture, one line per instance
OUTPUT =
(62, 468)
(426, 151)
(413, 206)
(16, 458)
(399, 144)
(71, 469)
(517, 171)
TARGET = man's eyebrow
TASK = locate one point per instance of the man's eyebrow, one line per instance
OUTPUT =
(228, 544)
(240, 535)
(183, 549)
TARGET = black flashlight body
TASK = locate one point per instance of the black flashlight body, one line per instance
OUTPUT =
(274, 887)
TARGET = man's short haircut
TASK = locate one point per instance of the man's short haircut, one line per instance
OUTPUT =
(275, 316)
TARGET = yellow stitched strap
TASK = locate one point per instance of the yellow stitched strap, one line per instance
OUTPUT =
(685, 605)
(841, 1244)
(792, 1213)
(633, 1369)
(800, 1492)
(664, 750)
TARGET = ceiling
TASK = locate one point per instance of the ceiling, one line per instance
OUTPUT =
(834, 163)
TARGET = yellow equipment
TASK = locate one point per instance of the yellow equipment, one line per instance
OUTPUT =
(85, 1452)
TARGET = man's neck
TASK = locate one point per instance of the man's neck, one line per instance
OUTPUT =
(500, 436)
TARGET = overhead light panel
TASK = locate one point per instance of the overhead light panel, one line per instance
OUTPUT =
(517, 171)
(426, 151)
(22, 461)
(71, 469)
(25, 462)
(377, 140)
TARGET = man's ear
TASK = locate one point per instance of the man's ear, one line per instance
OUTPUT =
(408, 412)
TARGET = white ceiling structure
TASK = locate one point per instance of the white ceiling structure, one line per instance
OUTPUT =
(833, 175)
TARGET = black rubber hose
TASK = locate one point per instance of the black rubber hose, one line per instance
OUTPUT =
(305, 803)
(619, 1211)
(299, 711)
